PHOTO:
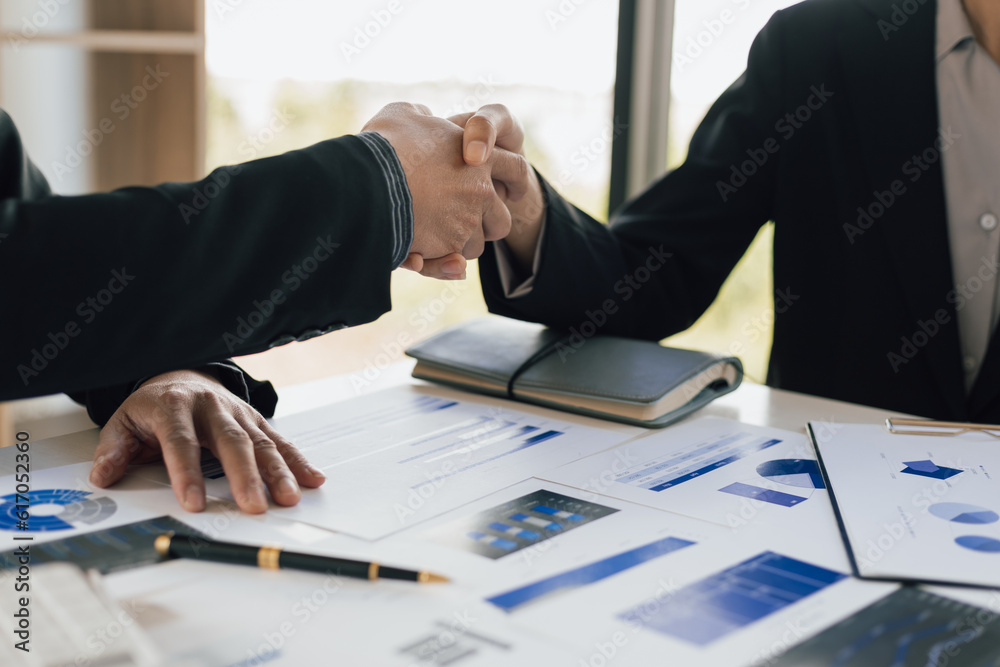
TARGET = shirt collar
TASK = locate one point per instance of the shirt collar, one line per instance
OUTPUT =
(953, 28)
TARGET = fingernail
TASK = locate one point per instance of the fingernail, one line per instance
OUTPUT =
(476, 151)
(258, 495)
(316, 472)
(453, 267)
(194, 501)
(97, 472)
(288, 487)
(460, 276)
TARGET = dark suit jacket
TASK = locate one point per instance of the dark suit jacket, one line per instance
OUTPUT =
(868, 312)
(98, 290)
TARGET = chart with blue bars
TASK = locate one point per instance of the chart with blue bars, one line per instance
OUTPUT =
(733, 599)
(55, 509)
(110, 550)
(909, 628)
(699, 459)
(803, 474)
(590, 573)
(518, 524)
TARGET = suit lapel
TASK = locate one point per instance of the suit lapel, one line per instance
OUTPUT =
(893, 88)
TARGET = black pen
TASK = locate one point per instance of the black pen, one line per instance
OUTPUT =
(272, 557)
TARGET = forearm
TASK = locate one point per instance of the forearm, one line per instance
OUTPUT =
(143, 280)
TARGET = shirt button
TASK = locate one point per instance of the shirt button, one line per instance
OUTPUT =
(988, 222)
(970, 363)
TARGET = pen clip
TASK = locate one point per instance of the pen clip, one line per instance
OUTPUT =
(903, 426)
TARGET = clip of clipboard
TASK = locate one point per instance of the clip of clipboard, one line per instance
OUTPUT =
(903, 426)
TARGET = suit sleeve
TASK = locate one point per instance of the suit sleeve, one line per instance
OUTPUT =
(660, 263)
(101, 289)
(102, 403)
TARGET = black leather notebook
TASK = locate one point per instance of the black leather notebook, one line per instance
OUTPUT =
(622, 379)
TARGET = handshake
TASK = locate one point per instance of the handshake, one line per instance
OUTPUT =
(469, 181)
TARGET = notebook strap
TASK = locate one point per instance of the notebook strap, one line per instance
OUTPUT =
(543, 352)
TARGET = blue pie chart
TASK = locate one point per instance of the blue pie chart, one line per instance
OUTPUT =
(803, 473)
(979, 543)
(54, 509)
(963, 513)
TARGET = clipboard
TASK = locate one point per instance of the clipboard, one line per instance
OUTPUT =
(916, 501)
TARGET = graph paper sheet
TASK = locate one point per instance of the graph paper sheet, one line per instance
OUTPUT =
(915, 507)
(398, 457)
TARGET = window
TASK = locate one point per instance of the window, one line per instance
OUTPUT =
(327, 67)
(711, 41)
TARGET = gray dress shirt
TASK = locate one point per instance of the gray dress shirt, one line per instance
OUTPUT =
(968, 82)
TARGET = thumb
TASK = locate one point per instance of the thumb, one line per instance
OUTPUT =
(118, 446)
(493, 125)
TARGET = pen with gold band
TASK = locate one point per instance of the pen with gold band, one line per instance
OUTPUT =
(272, 557)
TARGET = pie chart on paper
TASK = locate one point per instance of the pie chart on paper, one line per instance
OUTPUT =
(979, 543)
(55, 509)
(963, 513)
(803, 473)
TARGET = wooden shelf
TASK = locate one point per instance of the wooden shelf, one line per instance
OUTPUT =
(128, 41)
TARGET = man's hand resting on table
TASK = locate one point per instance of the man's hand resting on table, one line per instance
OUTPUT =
(172, 416)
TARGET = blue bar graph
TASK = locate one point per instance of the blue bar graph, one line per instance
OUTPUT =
(568, 516)
(766, 495)
(587, 574)
(521, 517)
(521, 522)
(493, 541)
(697, 460)
(723, 603)
(514, 531)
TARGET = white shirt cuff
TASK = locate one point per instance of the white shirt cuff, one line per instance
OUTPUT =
(508, 274)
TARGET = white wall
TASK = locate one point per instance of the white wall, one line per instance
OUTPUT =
(44, 87)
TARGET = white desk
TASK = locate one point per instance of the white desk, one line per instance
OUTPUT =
(275, 609)
(751, 403)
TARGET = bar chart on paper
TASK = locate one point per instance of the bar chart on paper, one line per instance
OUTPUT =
(401, 456)
(518, 524)
(713, 469)
(733, 599)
